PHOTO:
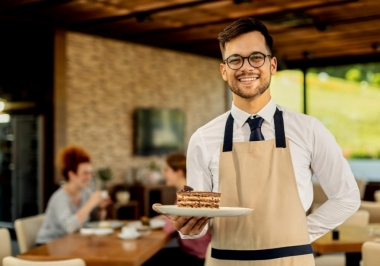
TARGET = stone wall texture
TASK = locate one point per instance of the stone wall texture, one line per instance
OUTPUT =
(106, 80)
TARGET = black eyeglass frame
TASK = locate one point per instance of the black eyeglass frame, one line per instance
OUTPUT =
(247, 57)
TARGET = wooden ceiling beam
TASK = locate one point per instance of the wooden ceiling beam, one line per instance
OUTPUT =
(321, 52)
(256, 12)
(180, 34)
(290, 40)
(27, 7)
(287, 35)
(5, 4)
(83, 23)
(334, 60)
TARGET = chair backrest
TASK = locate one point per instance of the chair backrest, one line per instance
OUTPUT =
(377, 195)
(12, 261)
(374, 210)
(26, 231)
(359, 218)
(371, 253)
(5, 244)
(208, 255)
(361, 185)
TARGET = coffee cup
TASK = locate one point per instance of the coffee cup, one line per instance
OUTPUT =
(128, 231)
(104, 194)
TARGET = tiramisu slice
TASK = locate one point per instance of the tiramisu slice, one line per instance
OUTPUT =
(188, 198)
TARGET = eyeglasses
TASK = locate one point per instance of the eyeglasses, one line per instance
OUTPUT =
(256, 60)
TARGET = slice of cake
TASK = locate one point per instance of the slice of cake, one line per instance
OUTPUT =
(188, 198)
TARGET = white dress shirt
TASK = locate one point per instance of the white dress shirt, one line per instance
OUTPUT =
(313, 150)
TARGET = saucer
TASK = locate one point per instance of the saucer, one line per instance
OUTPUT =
(102, 231)
(96, 231)
(134, 236)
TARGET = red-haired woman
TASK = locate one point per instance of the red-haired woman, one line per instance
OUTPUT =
(74, 203)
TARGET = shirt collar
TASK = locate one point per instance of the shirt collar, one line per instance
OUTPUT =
(267, 112)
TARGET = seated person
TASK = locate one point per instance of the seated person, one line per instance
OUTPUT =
(74, 203)
(191, 251)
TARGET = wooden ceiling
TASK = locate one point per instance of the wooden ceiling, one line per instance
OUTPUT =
(303, 30)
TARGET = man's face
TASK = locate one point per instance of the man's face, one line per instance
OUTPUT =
(248, 82)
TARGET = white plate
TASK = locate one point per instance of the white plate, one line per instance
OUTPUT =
(103, 224)
(96, 231)
(203, 212)
(86, 231)
(102, 231)
(156, 223)
(129, 236)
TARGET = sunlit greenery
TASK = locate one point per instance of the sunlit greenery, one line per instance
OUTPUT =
(349, 109)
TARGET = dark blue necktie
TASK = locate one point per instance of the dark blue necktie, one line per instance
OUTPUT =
(255, 125)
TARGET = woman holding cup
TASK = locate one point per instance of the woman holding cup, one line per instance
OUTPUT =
(74, 203)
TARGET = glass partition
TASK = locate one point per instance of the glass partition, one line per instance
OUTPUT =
(347, 101)
(287, 89)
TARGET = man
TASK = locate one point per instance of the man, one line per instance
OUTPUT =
(263, 156)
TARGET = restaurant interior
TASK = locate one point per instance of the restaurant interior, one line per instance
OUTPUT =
(131, 81)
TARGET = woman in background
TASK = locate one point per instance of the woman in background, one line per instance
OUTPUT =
(190, 251)
(74, 203)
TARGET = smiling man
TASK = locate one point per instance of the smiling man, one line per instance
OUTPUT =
(262, 156)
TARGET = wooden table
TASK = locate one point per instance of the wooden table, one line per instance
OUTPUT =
(101, 250)
(351, 239)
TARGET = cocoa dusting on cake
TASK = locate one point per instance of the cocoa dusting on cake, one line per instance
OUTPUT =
(187, 189)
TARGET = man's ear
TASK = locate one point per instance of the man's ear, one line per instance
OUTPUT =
(223, 71)
(273, 65)
(70, 175)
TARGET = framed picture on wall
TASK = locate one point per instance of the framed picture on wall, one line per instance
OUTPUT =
(158, 131)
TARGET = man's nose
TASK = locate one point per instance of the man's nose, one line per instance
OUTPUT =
(246, 65)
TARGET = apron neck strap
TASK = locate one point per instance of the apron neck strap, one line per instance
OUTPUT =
(279, 130)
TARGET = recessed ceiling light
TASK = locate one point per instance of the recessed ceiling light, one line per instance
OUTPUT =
(308, 54)
(376, 46)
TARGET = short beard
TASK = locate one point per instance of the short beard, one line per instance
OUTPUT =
(260, 90)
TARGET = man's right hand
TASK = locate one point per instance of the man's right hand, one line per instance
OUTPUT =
(189, 226)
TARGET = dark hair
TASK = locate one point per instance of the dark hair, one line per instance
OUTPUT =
(177, 161)
(241, 26)
(70, 157)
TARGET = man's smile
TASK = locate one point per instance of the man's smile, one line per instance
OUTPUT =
(248, 79)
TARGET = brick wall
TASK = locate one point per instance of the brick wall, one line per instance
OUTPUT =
(106, 80)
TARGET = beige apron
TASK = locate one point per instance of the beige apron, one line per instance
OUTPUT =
(260, 175)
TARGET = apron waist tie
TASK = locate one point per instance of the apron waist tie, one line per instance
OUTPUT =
(262, 254)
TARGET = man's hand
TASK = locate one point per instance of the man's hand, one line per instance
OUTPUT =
(186, 225)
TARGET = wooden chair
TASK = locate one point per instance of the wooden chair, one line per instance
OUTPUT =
(5, 244)
(377, 196)
(330, 260)
(359, 218)
(361, 185)
(26, 231)
(371, 253)
(12, 261)
(374, 210)
(208, 255)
